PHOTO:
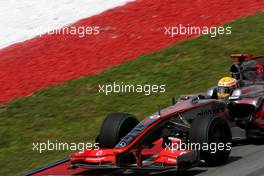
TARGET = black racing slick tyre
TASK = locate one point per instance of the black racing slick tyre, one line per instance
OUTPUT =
(214, 136)
(114, 127)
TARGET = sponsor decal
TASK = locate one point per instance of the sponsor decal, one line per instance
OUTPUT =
(94, 159)
(154, 117)
(147, 121)
(210, 111)
(99, 153)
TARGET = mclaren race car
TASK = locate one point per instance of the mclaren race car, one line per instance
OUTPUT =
(185, 133)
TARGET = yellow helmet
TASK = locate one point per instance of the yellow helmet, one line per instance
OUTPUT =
(225, 87)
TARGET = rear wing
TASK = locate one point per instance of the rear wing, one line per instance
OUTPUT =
(243, 57)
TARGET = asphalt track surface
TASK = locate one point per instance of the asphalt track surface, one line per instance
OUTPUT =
(246, 159)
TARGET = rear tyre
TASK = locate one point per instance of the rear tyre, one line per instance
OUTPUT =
(114, 127)
(255, 132)
(213, 132)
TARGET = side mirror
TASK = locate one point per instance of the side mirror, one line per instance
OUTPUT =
(235, 71)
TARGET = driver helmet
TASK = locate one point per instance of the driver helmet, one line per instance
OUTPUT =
(225, 87)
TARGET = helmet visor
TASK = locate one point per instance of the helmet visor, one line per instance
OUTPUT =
(224, 90)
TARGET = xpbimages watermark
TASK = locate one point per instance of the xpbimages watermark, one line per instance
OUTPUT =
(63, 146)
(79, 31)
(174, 31)
(212, 147)
(145, 89)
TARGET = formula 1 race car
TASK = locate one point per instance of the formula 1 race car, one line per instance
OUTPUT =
(150, 144)
(201, 123)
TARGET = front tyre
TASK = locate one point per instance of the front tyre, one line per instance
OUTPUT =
(214, 136)
(114, 127)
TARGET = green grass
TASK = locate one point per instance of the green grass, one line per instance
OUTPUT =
(73, 112)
